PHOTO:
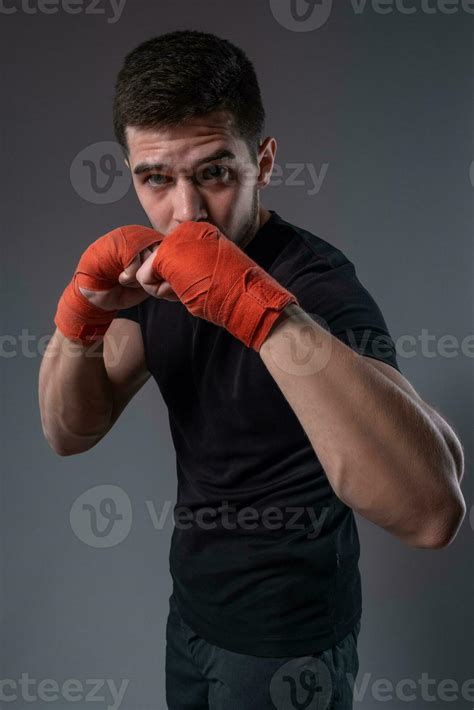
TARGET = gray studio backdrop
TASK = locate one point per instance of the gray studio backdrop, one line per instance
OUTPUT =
(371, 105)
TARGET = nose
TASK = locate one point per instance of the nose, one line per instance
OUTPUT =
(188, 203)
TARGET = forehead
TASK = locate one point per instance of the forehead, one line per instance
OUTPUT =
(195, 138)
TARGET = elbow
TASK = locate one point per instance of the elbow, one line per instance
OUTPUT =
(64, 452)
(69, 446)
(457, 453)
(59, 448)
(67, 451)
(443, 527)
(54, 443)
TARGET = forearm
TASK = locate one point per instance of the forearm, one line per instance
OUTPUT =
(75, 395)
(382, 454)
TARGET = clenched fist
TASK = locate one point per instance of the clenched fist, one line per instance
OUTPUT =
(216, 281)
(105, 281)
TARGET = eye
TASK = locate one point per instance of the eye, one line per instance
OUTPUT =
(159, 180)
(215, 173)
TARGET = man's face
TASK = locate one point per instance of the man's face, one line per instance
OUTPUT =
(200, 171)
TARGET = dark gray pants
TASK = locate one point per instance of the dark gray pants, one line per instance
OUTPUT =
(201, 676)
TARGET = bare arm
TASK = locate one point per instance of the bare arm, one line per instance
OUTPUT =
(84, 388)
(383, 452)
(452, 441)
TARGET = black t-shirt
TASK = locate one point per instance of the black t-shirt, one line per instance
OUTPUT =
(281, 578)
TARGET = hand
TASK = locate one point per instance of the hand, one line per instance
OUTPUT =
(104, 282)
(154, 285)
(216, 281)
(128, 276)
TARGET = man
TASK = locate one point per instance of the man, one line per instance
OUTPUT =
(287, 406)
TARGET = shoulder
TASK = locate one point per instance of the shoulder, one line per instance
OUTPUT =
(308, 248)
(310, 262)
(325, 282)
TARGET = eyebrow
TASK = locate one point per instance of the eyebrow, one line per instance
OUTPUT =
(218, 155)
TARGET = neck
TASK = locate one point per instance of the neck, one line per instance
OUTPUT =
(263, 216)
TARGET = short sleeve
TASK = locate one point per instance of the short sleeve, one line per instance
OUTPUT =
(131, 313)
(329, 289)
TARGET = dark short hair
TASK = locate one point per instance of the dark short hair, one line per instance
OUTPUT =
(186, 74)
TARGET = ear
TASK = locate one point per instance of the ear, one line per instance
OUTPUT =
(266, 159)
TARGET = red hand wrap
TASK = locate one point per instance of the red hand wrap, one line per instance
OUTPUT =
(99, 268)
(217, 281)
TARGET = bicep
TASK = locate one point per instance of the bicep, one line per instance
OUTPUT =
(124, 359)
